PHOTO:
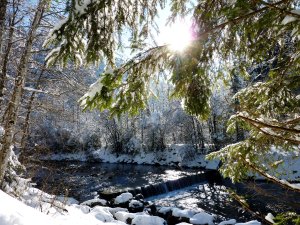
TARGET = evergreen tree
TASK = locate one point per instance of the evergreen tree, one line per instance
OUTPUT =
(241, 31)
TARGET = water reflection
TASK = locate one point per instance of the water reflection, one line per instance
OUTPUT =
(82, 180)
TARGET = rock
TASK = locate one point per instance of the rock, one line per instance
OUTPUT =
(136, 206)
(95, 202)
(139, 197)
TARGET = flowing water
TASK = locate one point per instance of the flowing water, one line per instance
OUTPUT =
(165, 186)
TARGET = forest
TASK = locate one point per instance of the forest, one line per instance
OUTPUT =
(149, 112)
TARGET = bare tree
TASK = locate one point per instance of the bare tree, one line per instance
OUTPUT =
(10, 116)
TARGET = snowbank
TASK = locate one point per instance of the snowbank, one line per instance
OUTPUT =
(15, 212)
(174, 155)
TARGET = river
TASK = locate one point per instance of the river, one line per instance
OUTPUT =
(184, 188)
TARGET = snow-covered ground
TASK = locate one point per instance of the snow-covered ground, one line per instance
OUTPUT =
(286, 164)
(174, 155)
(38, 211)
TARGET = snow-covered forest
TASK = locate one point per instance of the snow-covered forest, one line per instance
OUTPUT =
(149, 112)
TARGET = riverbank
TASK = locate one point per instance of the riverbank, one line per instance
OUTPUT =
(179, 155)
(286, 164)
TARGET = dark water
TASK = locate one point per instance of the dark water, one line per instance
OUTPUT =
(83, 181)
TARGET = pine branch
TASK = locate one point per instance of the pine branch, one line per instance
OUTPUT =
(263, 124)
(275, 136)
(274, 6)
(283, 184)
(245, 205)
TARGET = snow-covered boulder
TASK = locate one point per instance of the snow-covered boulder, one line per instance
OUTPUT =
(136, 206)
(113, 211)
(202, 218)
(228, 222)
(125, 217)
(102, 214)
(165, 210)
(183, 213)
(148, 220)
(94, 202)
(122, 198)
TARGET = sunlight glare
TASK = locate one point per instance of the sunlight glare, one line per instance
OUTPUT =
(178, 35)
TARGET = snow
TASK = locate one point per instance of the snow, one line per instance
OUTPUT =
(124, 216)
(34, 90)
(78, 156)
(165, 210)
(124, 197)
(288, 19)
(202, 218)
(15, 212)
(81, 6)
(91, 93)
(46, 209)
(102, 214)
(148, 220)
(288, 164)
(1, 131)
(135, 204)
(228, 222)
(183, 213)
(269, 217)
(176, 154)
(173, 155)
(253, 222)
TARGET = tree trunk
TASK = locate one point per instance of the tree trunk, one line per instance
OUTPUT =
(3, 6)
(5, 58)
(29, 110)
(10, 116)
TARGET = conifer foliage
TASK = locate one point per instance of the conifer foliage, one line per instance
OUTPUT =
(235, 35)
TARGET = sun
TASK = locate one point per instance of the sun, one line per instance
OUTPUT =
(177, 35)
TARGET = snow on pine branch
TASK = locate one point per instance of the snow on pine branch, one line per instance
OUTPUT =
(92, 30)
(29, 89)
